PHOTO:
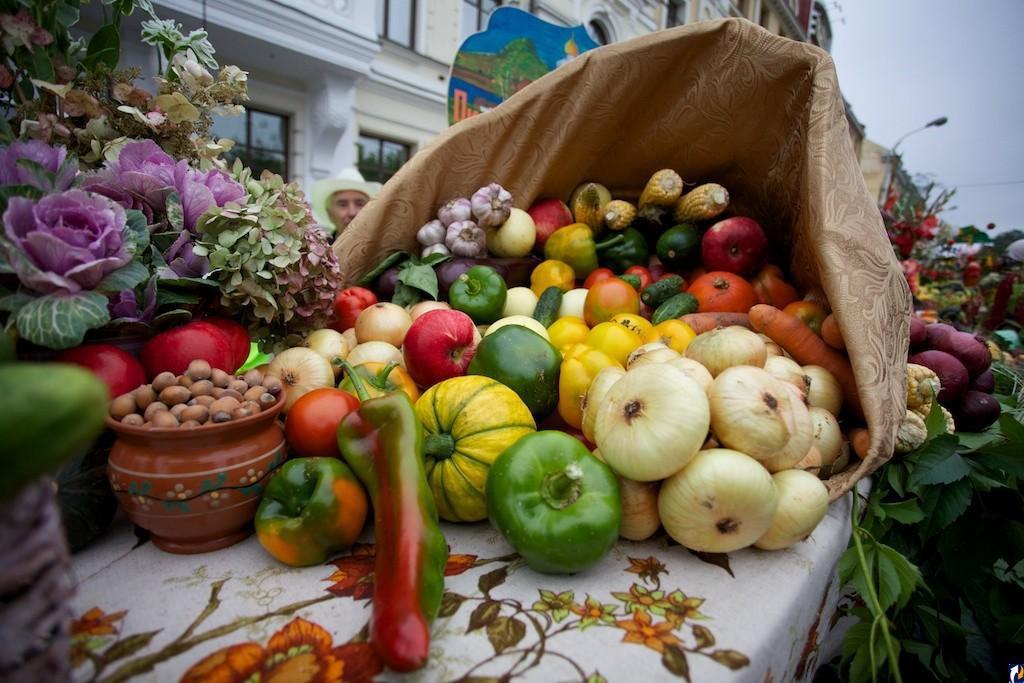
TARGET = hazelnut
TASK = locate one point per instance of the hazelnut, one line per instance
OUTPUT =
(174, 395)
(177, 409)
(254, 393)
(164, 419)
(205, 400)
(253, 377)
(220, 378)
(224, 405)
(164, 380)
(203, 387)
(123, 405)
(273, 385)
(221, 417)
(238, 385)
(184, 381)
(267, 401)
(154, 408)
(231, 393)
(144, 395)
(199, 369)
(134, 419)
(253, 406)
(190, 424)
(197, 413)
(241, 412)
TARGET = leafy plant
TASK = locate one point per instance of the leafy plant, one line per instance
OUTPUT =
(936, 557)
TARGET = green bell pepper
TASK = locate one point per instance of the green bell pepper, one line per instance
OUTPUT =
(382, 441)
(480, 292)
(555, 502)
(311, 509)
(631, 251)
(574, 244)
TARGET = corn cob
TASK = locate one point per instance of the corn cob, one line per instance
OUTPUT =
(618, 214)
(587, 204)
(663, 189)
(701, 203)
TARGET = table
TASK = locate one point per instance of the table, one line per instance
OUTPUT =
(650, 610)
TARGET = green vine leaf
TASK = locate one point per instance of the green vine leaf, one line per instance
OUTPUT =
(943, 505)
(937, 462)
(904, 512)
(674, 660)
(899, 569)
(485, 613)
(505, 633)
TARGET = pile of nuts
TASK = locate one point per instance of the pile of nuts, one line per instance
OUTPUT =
(203, 395)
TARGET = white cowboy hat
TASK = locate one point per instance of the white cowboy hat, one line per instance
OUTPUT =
(346, 179)
(1016, 250)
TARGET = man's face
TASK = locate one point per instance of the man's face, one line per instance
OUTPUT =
(343, 206)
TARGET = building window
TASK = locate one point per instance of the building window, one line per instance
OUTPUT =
(399, 22)
(598, 32)
(676, 14)
(261, 140)
(379, 159)
(475, 14)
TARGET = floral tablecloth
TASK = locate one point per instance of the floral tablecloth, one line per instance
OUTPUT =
(649, 610)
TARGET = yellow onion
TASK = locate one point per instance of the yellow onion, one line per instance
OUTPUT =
(803, 502)
(600, 385)
(375, 352)
(300, 370)
(695, 370)
(722, 501)
(383, 321)
(639, 507)
(651, 422)
(828, 438)
(652, 352)
(755, 413)
(824, 390)
(727, 347)
(331, 345)
(788, 370)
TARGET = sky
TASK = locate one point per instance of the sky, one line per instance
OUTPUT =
(903, 63)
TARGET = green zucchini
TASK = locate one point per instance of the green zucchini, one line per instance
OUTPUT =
(546, 310)
(657, 292)
(674, 307)
(633, 280)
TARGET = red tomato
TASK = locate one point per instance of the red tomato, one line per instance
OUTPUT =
(120, 371)
(608, 298)
(812, 313)
(349, 303)
(312, 424)
(645, 275)
(598, 275)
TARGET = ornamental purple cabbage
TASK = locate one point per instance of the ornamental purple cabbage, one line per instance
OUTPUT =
(50, 158)
(64, 243)
(181, 259)
(126, 307)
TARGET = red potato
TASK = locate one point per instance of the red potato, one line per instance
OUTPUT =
(952, 374)
(985, 383)
(975, 411)
(918, 332)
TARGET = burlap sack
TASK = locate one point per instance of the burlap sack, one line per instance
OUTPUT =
(721, 101)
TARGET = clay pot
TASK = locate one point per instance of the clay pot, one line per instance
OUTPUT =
(196, 490)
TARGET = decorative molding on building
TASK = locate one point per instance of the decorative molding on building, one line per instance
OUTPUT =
(331, 103)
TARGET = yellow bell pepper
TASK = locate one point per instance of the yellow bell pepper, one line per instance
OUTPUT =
(615, 340)
(566, 331)
(633, 322)
(574, 244)
(673, 333)
(552, 273)
(580, 364)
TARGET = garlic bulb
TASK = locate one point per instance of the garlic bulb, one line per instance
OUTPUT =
(640, 518)
(695, 370)
(455, 210)
(828, 438)
(755, 413)
(727, 347)
(435, 249)
(803, 502)
(599, 387)
(466, 238)
(824, 390)
(431, 233)
(491, 205)
(652, 352)
(722, 501)
(651, 422)
(788, 370)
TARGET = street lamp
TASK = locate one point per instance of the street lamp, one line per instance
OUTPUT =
(941, 121)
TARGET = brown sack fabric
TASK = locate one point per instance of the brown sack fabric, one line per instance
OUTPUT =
(722, 101)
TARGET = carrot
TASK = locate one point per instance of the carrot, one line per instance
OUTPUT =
(705, 322)
(806, 348)
(831, 334)
(859, 442)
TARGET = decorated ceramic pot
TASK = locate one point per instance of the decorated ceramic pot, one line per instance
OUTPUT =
(196, 490)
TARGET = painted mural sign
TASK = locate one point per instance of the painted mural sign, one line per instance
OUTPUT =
(516, 49)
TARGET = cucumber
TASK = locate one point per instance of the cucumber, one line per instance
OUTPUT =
(633, 280)
(679, 246)
(675, 306)
(658, 292)
(546, 310)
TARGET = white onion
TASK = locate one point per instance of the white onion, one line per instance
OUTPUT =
(521, 320)
(385, 322)
(788, 370)
(828, 437)
(640, 518)
(599, 387)
(416, 310)
(824, 391)
(722, 501)
(331, 345)
(572, 304)
(519, 301)
(727, 347)
(375, 352)
(651, 352)
(300, 370)
(695, 370)
(803, 502)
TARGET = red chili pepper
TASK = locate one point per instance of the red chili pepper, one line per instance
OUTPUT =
(597, 276)
(1000, 302)
(349, 303)
(643, 273)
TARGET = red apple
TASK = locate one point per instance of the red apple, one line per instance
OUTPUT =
(173, 350)
(237, 336)
(439, 345)
(119, 370)
(735, 245)
(548, 215)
